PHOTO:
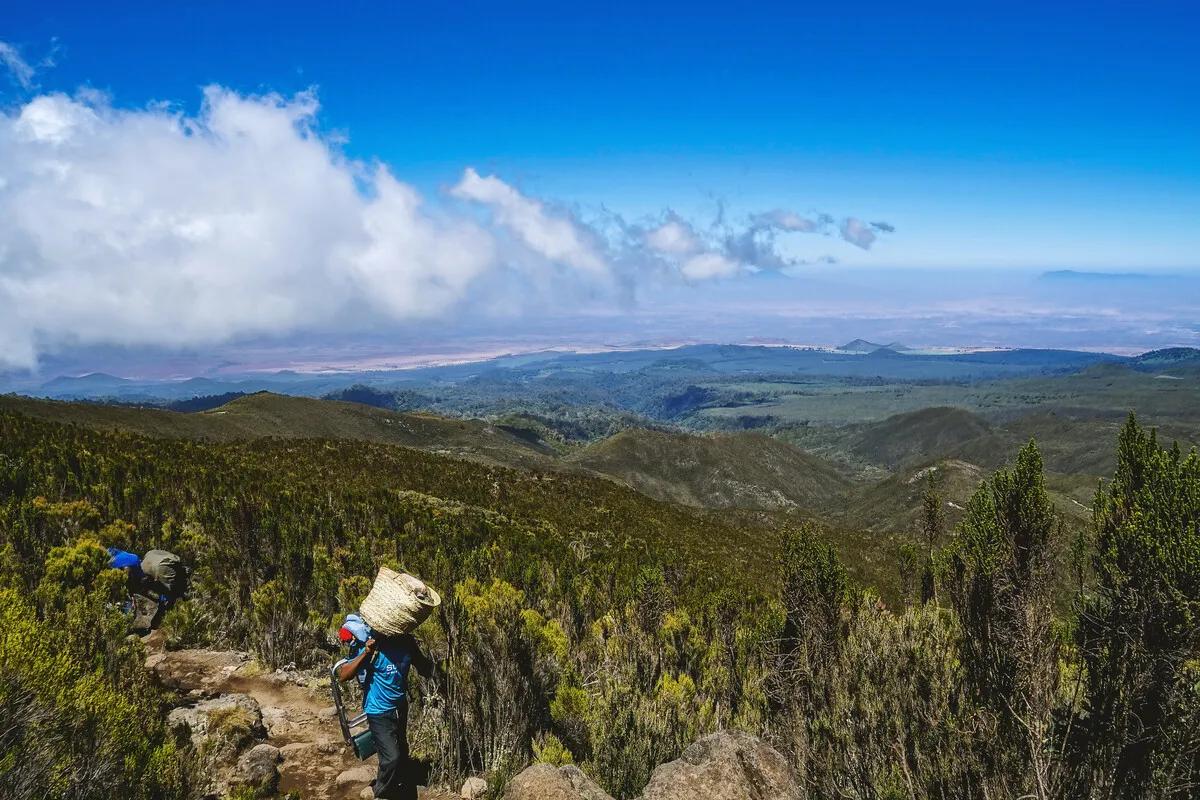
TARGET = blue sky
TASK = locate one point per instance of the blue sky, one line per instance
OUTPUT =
(988, 133)
(991, 137)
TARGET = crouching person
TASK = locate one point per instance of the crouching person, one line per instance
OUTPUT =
(159, 576)
(381, 664)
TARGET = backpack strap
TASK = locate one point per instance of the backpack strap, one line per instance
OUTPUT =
(366, 687)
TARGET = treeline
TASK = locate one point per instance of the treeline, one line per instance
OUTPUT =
(584, 622)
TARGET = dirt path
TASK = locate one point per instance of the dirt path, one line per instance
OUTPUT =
(298, 715)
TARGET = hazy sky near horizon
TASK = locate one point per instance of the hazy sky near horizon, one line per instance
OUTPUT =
(185, 176)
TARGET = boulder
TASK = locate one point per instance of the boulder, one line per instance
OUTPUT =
(258, 768)
(725, 766)
(225, 724)
(364, 773)
(548, 782)
(328, 747)
(277, 721)
(222, 729)
(586, 787)
(473, 788)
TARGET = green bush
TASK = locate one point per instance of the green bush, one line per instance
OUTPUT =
(71, 683)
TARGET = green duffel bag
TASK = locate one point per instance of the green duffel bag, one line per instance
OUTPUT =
(363, 744)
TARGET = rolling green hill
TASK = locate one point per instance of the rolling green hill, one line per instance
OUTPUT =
(272, 415)
(720, 471)
(917, 436)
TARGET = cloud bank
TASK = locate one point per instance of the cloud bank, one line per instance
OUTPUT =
(149, 227)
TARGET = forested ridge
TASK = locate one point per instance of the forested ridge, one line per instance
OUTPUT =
(584, 621)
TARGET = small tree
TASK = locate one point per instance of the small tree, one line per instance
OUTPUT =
(1138, 632)
(933, 525)
(1003, 565)
(815, 595)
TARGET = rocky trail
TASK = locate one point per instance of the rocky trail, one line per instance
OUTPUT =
(266, 729)
(277, 732)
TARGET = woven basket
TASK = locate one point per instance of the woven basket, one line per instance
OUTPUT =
(397, 603)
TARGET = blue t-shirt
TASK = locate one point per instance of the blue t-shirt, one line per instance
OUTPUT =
(389, 674)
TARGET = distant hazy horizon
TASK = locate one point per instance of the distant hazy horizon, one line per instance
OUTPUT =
(1122, 313)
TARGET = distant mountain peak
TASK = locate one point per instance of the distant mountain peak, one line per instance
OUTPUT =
(864, 346)
(1099, 277)
(860, 346)
(90, 380)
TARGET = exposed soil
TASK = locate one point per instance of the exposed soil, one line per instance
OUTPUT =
(297, 711)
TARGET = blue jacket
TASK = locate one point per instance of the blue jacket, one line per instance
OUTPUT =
(121, 559)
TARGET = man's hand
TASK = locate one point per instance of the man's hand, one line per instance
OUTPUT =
(347, 670)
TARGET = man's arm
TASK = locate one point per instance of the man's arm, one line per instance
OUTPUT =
(348, 670)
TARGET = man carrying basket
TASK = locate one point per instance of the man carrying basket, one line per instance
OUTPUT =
(382, 649)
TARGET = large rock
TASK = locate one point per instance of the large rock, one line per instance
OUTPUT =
(725, 766)
(233, 716)
(547, 782)
(473, 788)
(363, 773)
(222, 729)
(258, 768)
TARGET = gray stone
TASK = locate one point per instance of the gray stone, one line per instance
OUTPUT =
(228, 709)
(473, 788)
(258, 768)
(725, 766)
(330, 747)
(222, 729)
(363, 773)
(299, 751)
(276, 720)
(586, 787)
(548, 782)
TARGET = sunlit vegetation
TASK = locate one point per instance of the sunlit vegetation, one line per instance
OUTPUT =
(583, 622)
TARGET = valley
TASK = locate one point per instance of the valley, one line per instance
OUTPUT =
(724, 430)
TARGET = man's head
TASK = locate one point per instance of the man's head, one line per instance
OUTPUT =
(353, 629)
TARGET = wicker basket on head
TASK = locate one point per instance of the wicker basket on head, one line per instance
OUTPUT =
(397, 603)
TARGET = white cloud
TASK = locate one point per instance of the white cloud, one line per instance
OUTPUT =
(674, 237)
(17, 66)
(557, 238)
(708, 266)
(54, 119)
(151, 227)
(857, 233)
(786, 221)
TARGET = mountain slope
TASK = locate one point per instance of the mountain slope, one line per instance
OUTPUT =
(723, 471)
(917, 435)
(264, 414)
(894, 504)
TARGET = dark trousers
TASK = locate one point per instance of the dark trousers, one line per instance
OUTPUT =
(164, 595)
(391, 745)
